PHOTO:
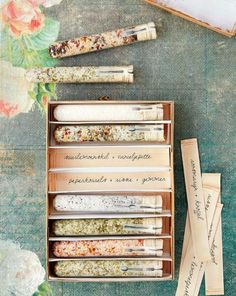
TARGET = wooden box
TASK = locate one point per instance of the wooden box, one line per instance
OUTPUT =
(161, 165)
(230, 32)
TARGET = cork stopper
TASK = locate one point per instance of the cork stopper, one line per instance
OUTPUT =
(146, 32)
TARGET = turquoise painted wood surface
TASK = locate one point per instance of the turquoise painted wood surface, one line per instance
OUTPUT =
(188, 64)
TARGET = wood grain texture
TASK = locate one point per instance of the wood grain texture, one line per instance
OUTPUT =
(187, 63)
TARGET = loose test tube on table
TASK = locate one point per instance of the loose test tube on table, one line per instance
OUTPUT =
(89, 74)
(101, 41)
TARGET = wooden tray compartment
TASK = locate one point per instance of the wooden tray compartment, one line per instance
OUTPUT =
(192, 19)
(166, 246)
(128, 180)
(168, 195)
(103, 156)
(166, 203)
(166, 124)
(166, 105)
(167, 273)
(166, 225)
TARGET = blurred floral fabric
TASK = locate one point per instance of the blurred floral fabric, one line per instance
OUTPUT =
(25, 34)
(21, 272)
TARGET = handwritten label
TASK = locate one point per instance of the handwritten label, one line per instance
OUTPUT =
(194, 176)
(188, 281)
(197, 203)
(59, 181)
(197, 210)
(213, 252)
(107, 156)
(208, 201)
(102, 179)
(81, 156)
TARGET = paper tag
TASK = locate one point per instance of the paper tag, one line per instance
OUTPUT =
(212, 232)
(196, 204)
(214, 272)
(105, 156)
(190, 265)
(211, 196)
(135, 181)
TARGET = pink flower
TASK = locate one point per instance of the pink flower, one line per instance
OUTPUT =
(14, 88)
(7, 109)
(22, 16)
